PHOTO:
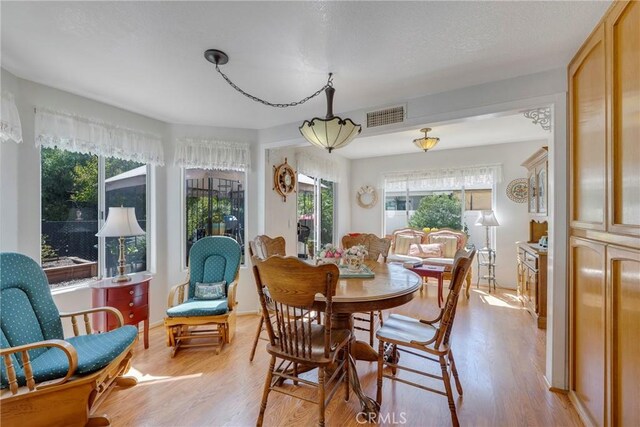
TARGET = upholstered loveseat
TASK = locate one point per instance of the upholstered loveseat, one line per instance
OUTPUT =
(434, 248)
(47, 379)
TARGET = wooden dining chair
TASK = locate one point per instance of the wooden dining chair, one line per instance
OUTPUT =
(293, 286)
(427, 339)
(263, 247)
(376, 247)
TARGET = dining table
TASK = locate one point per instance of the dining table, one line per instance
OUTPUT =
(392, 286)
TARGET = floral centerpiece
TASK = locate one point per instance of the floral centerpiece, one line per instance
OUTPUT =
(330, 254)
(354, 257)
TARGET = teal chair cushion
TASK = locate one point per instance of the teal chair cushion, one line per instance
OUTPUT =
(213, 259)
(194, 308)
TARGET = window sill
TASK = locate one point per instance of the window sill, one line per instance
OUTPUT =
(72, 288)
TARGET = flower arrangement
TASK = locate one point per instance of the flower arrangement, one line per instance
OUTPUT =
(331, 251)
(354, 257)
(357, 250)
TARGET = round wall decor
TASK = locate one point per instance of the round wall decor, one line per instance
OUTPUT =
(518, 190)
(366, 197)
(284, 180)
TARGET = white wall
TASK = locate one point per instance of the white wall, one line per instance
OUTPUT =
(512, 216)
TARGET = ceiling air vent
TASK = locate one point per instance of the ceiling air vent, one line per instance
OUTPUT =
(384, 117)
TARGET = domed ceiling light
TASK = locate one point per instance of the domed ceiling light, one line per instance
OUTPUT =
(427, 142)
(329, 133)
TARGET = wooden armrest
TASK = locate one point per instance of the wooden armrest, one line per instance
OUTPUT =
(172, 293)
(436, 320)
(84, 313)
(231, 295)
(6, 353)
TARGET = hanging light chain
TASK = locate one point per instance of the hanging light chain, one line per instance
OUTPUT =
(271, 104)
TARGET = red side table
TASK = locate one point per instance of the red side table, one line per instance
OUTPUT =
(131, 298)
(434, 271)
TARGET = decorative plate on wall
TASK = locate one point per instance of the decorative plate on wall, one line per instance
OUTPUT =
(367, 197)
(518, 190)
(284, 180)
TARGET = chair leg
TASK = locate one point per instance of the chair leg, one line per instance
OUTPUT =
(380, 368)
(347, 367)
(381, 318)
(372, 326)
(321, 373)
(447, 386)
(455, 373)
(265, 393)
(255, 341)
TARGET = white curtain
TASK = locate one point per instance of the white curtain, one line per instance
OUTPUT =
(86, 135)
(212, 154)
(317, 167)
(444, 179)
(10, 126)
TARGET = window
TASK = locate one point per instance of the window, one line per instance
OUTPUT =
(73, 196)
(439, 198)
(214, 205)
(316, 213)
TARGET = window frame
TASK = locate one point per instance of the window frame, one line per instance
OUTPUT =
(183, 223)
(101, 217)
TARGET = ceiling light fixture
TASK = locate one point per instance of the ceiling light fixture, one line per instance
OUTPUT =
(330, 133)
(427, 142)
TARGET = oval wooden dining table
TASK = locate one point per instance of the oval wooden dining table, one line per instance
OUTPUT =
(392, 286)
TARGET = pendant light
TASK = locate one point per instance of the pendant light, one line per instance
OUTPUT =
(427, 142)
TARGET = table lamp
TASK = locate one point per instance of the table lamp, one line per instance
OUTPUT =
(487, 219)
(121, 222)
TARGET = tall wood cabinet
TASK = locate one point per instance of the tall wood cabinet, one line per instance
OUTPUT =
(537, 166)
(604, 197)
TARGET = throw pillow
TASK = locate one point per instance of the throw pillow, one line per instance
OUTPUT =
(449, 245)
(403, 242)
(431, 250)
(210, 291)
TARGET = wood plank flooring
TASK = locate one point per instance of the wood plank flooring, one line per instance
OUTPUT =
(499, 354)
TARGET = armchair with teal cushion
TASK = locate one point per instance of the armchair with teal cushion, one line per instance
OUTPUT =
(41, 370)
(211, 260)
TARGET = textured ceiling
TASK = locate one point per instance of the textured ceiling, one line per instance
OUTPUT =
(147, 57)
(472, 132)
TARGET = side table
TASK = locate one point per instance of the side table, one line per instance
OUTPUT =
(487, 260)
(131, 298)
(435, 271)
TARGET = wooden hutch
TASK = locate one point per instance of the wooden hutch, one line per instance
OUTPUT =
(532, 258)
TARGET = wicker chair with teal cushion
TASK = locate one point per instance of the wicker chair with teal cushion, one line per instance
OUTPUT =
(212, 261)
(77, 370)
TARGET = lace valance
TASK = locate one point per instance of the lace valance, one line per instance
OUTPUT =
(212, 154)
(444, 179)
(317, 167)
(86, 135)
(10, 126)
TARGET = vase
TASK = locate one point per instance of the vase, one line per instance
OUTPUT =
(354, 262)
(329, 260)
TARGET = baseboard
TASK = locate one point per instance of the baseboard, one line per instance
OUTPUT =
(554, 389)
(582, 412)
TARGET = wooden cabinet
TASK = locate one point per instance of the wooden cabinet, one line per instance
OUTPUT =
(532, 280)
(604, 198)
(537, 166)
(130, 298)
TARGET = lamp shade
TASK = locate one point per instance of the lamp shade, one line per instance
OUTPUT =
(426, 143)
(330, 133)
(121, 222)
(487, 219)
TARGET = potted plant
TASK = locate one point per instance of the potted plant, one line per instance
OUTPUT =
(217, 222)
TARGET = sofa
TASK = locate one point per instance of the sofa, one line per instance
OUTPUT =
(433, 248)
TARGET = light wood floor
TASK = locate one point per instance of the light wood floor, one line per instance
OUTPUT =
(499, 354)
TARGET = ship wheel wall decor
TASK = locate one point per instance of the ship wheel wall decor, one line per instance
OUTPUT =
(284, 180)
